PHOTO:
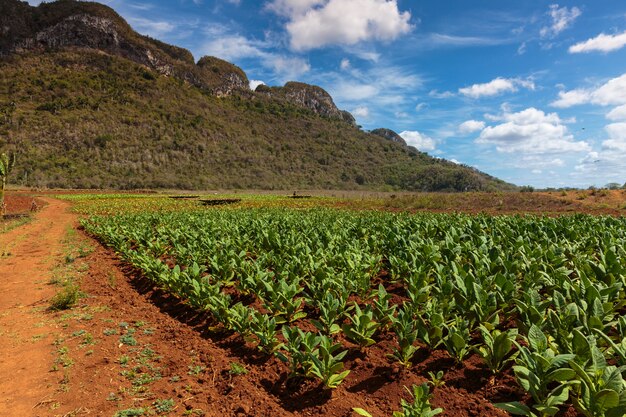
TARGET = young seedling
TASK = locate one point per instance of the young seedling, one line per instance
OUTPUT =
(406, 335)
(326, 365)
(420, 407)
(362, 326)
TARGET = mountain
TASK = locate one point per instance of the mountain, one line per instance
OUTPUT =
(89, 103)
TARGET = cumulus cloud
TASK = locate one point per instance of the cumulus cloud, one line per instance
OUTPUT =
(616, 131)
(317, 23)
(471, 126)
(255, 83)
(571, 98)
(561, 18)
(611, 93)
(601, 43)
(345, 64)
(532, 131)
(421, 141)
(618, 113)
(608, 163)
(495, 87)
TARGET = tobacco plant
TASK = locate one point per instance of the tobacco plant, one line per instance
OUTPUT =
(420, 407)
(326, 364)
(362, 326)
(406, 335)
(496, 349)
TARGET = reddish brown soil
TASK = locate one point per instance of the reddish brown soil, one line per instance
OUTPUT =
(129, 345)
(22, 204)
(600, 202)
(27, 256)
(184, 338)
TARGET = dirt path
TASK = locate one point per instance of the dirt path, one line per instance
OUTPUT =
(26, 333)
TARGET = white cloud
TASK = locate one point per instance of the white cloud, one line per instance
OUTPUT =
(387, 85)
(361, 111)
(454, 161)
(618, 113)
(601, 43)
(571, 98)
(419, 140)
(350, 90)
(149, 27)
(289, 8)
(287, 67)
(440, 39)
(371, 56)
(616, 131)
(255, 83)
(613, 92)
(234, 47)
(495, 87)
(560, 19)
(471, 126)
(607, 165)
(420, 106)
(437, 94)
(532, 132)
(317, 23)
(345, 64)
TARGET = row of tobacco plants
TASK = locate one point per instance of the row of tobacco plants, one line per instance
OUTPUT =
(544, 296)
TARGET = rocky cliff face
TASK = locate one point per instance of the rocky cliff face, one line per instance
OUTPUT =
(75, 24)
(67, 23)
(309, 96)
(389, 135)
(224, 77)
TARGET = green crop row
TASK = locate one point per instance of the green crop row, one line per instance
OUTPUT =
(544, 296)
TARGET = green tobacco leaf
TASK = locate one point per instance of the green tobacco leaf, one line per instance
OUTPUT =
(537, 340)
(335, 380)
(606, 399)
(361, 412)
(515, 408)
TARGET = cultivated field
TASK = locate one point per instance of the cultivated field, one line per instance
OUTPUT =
(339, 306)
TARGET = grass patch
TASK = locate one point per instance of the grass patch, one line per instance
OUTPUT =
(237, 369)
(66, 298)
(163, 406)
(130, 412)
(8, 225)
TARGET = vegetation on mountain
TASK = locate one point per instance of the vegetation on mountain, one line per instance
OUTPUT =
(89, 103)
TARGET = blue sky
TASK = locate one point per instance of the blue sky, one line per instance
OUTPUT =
(531, 91)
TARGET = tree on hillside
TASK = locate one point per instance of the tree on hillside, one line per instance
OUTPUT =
(6, 165)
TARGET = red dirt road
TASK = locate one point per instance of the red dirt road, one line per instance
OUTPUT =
(27, 257)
